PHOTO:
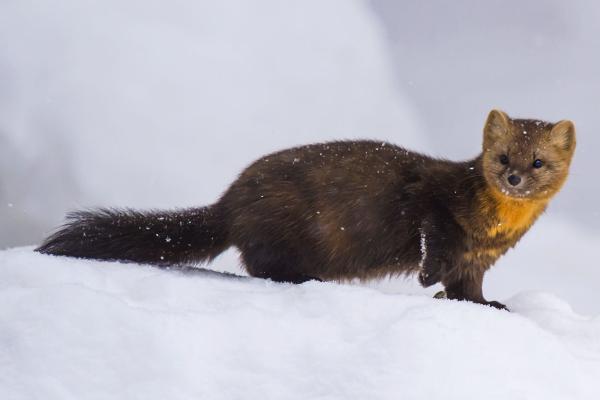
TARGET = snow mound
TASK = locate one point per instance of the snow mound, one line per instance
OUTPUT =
(83, 329)
(156, 105)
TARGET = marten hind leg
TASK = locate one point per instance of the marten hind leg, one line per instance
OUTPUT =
(278, 263)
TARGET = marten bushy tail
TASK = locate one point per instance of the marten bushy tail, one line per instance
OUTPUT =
(155, 237)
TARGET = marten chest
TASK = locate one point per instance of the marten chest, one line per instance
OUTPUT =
(499, 225)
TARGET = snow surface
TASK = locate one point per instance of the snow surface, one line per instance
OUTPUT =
(97, 330)
(136, 104)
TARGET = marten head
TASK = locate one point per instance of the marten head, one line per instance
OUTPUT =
(524, 158)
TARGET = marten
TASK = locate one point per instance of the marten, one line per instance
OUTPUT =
(349, 210)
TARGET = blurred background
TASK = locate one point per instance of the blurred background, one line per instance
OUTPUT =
(150, 104)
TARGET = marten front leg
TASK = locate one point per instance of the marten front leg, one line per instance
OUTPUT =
(468, 286)
(436, 248)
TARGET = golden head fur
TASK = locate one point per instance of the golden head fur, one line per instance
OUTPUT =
(526, 159)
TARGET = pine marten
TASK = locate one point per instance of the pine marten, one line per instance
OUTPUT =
(353, 210)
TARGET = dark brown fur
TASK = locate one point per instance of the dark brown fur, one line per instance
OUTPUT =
(346, 210)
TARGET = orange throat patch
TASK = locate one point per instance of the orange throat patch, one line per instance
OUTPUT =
(511, 215)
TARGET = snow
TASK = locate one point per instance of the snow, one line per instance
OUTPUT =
(423, 244)
(135, 104)
(96, 330)
(177, 98)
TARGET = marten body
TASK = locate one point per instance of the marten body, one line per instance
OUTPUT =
(347, 210)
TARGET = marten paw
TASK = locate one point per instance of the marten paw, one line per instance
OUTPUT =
(427, 279)
(442, 294)
(496, 304)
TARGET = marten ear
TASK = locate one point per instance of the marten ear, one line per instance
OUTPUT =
(562, 135)
(496, 127)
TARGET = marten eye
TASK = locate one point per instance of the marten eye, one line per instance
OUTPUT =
(538, 163)
(504, 159)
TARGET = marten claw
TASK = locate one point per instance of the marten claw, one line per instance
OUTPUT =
(497, 304)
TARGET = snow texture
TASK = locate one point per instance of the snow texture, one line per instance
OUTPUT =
(95, 330)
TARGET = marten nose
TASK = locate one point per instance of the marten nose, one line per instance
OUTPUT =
(514, 180)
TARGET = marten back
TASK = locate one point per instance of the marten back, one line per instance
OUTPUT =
(338, 210)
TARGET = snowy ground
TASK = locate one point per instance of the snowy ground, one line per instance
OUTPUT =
(141, 104)
(96, 330)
